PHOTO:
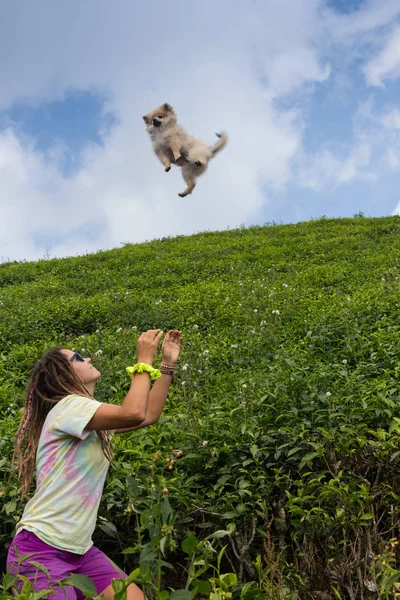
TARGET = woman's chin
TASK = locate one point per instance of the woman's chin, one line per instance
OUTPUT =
(94, 376)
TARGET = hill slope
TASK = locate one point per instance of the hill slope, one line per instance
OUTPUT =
(286, 403)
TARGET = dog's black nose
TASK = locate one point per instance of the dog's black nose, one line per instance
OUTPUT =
(156, 123)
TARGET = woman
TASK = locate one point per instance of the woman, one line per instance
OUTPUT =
(65, 435)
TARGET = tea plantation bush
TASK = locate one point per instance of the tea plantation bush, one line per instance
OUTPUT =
(280, 441)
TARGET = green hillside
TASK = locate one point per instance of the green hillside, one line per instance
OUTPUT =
(286, 404)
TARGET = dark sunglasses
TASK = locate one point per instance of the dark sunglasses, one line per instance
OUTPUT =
(77, 356)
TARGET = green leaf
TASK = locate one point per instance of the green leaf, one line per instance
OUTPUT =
(129, 550)
(119, 484)
(23, 557)
(308, 458)
(243, 483)
(109, 528)
(229, 579)
(223, 479)
(10, 507)
(147, 555)
(253, 449)
(367, 516)
(189, 544)
(201, 586)
(230, 515)
(250, 591)
(389, 583)
(132, 485)
(9, 580)
(294, 450)
(337, 593)
(163, 543)
(220, 555)
(41, 567)
(166, 510)
(218, 534)
(83, 583)
(43, 594)
(135, 574)
(120, 588)
(395, 455)
(181, 595)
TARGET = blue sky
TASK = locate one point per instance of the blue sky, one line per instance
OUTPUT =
(345, 6)
(307, 89)
(73, 121)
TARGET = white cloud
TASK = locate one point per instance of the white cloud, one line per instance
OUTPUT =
(330, 168)
(222, 65)
(122, 186)
(372, 151)
(293, 68)
(397, 209)
(366, 21)
(209, 77)
(291, 44)
(387, 64)
(391, 119)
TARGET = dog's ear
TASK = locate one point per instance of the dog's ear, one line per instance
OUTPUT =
(145, 119)
(167, 107)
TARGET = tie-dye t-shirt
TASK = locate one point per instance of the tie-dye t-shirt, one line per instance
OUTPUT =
(70, 472)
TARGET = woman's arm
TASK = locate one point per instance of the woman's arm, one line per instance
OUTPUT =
(133, 410)
(157, 399)
(159, 392)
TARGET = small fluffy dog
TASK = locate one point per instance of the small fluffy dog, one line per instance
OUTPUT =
(172, 144)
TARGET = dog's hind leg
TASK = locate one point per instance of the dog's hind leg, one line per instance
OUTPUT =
(190, 182)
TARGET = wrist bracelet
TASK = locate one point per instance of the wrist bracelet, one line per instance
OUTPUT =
(165, 366)
(144, 368)
(167, 371)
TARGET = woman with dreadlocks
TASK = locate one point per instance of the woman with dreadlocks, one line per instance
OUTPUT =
(64, 436)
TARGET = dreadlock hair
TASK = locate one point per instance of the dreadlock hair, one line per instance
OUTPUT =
(52, 379)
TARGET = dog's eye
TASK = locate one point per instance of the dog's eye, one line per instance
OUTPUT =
(160, 117)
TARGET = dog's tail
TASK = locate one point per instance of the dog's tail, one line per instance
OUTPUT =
(222, 141)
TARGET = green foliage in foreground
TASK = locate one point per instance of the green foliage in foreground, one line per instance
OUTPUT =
(280, 439)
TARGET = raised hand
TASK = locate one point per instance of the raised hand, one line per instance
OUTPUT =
(171, 347)
(147, 344)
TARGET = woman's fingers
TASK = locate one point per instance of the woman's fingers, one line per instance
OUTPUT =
(158, 335)
(151, 333)
(174, 336)
(155, 335)
(178, 336)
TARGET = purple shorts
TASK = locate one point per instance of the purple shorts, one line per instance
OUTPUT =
(60, 564)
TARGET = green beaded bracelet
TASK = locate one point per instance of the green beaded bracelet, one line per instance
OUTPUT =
(144, 368)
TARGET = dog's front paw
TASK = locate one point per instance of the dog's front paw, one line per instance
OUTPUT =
(167, 169)
(182, 195)
(198, 163)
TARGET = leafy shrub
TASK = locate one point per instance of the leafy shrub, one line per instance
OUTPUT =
(282, 429)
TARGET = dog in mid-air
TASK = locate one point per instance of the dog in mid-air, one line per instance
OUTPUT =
(172, 144)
